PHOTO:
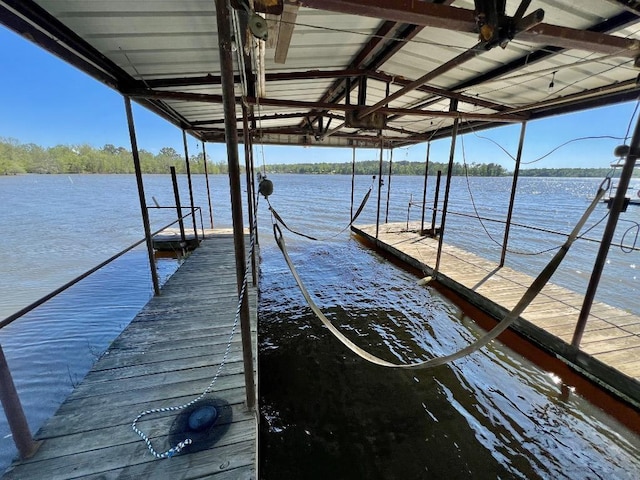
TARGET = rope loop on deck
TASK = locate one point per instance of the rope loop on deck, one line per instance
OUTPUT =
(187, 441)
(511, 317)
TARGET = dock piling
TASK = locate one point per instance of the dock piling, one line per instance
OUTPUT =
(176, 195)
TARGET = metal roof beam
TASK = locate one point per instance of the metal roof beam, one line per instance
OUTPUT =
(632, 6)
(269, 77)
(277, 102)
(463, 20)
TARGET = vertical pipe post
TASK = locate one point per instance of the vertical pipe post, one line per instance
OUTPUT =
(247, 169)
(445, 203)
(353, 173)
(386, 215)
(143, 202)
(379, 188)
(514, 185)
(614, 213)
(231, 136)
(435, 204)
(14, 412)
(424, 190)
(176, 196)
(193, 208)
(206, 177)
(254, 194)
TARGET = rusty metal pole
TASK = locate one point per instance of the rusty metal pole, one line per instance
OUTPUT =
(193, 208)
(614, 213)
(353, 179)
(386, 215)
(143, 202)
(231, 136)
(424, 190)
(447, 188)
(206, 177)
(254, 195)
(514, 185)
(379, 188)
(435, 203)
(13, 411)
(247, 169)
(176, 196)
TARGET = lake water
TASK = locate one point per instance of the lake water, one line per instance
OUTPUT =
(325, 413)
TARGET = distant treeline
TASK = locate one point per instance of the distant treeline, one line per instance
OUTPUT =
(17, 158)
(372, 167)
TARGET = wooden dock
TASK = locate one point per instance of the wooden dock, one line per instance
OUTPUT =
(610, 350)
(167, 356)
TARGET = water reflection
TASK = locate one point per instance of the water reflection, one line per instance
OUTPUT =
(329, 414)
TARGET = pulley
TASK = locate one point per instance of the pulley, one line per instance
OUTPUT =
(258, 26)
(265, 186)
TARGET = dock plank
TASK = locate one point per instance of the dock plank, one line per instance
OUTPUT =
(167, 356)
(611, 341)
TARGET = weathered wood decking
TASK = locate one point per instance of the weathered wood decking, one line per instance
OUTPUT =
(610, 348)
(166, 356)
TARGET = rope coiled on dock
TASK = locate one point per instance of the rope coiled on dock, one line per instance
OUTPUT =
(187, 441)
(533, 290)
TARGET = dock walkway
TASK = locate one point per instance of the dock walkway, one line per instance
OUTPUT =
(610, 350)
(167, 356)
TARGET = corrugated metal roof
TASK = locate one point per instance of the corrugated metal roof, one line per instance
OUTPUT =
(165, 52)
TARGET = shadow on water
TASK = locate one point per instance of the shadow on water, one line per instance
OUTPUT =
(328, 414)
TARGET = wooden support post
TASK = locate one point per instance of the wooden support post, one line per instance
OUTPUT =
(13, 411)
(454, 136)
(231, 135)
(206, 177)
(514, 185)
(193, 208)
(616, 207)
(143, 202)
(424, 190)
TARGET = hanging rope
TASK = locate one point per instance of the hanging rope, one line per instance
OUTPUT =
(187, 441)
(511, 317)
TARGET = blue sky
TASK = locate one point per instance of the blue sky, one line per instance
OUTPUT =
(47, 102)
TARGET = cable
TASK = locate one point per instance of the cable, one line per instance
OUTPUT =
(531, 293)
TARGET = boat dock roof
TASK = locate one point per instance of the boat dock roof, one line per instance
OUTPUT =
(166, 356)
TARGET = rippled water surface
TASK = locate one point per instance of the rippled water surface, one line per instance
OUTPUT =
(325, 413)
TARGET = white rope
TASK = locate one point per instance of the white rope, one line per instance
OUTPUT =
(511, 317)
(187, 441)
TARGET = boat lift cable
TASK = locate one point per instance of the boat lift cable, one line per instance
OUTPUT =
(363, 203)
(531, 293)
(187, 441)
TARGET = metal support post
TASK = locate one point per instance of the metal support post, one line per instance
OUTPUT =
(206, 177)
(231, 136)
(424, 190)
(193, 208)
(176, 196)
(514, 185)
(447, 188)
(614, 213)
(436, 196)
(143, 202)
(379, 188)
(353, 179)
(386, 215)
(247, 169)
(13, 411)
